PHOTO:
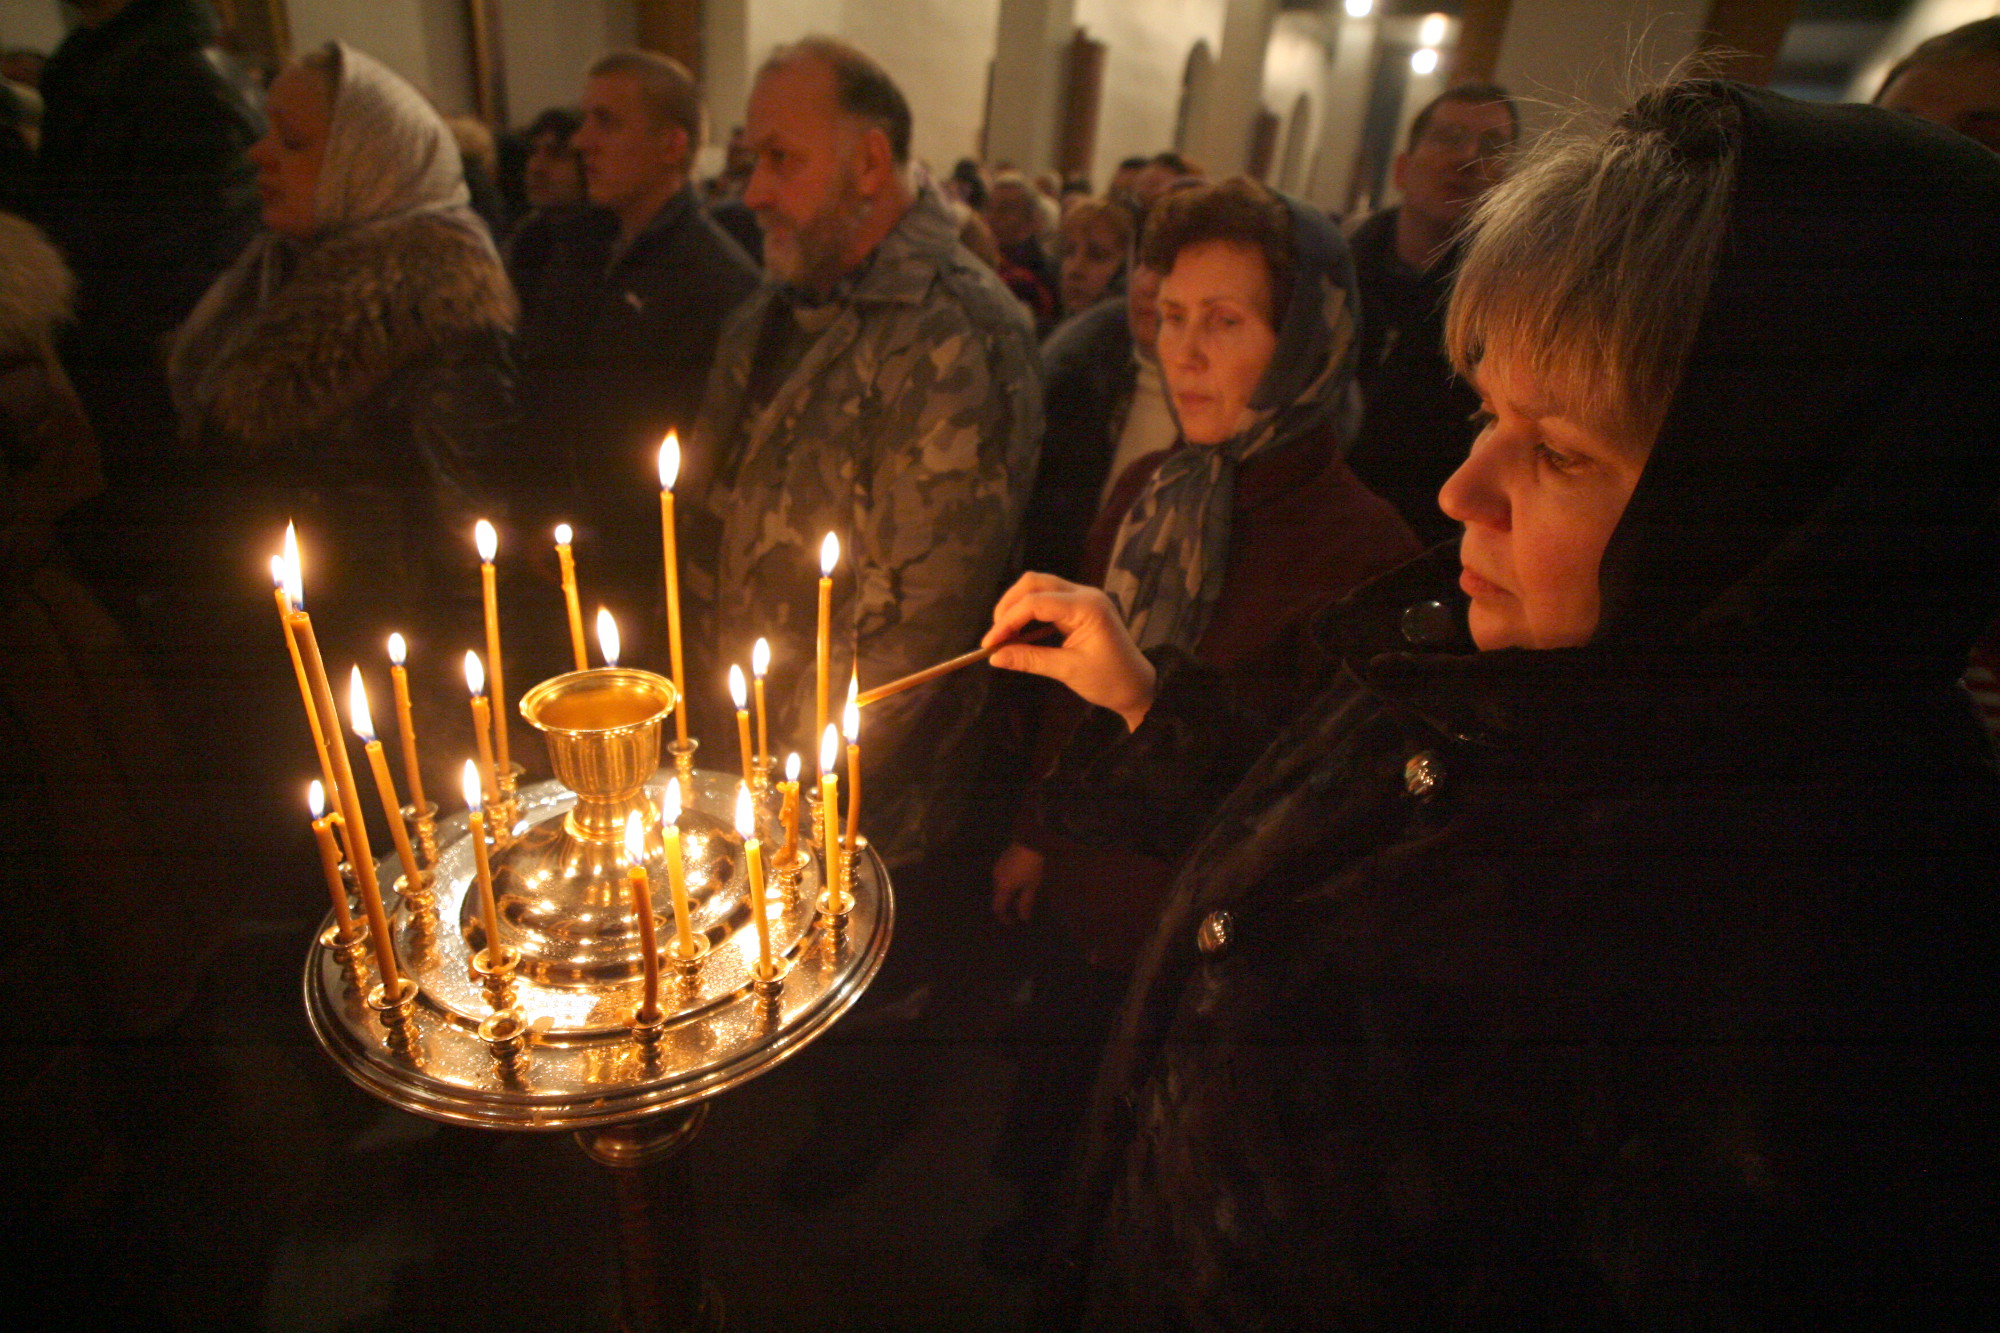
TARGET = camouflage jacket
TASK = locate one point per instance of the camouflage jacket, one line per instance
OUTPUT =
(911, 429)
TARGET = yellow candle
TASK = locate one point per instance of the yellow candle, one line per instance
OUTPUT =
(760, 663)
(482, 723)
(829, 556)
(286, 585)
(670, 831)
(829, 804)
(363, 723)
(489, 907)
(489, 546)
(789, 813)
(349, 796)
(738, 694)
(670, 469)
(851, 724)
(400, 680)
(642, 905)
(329, 858)
(746, 824)
(568, 563)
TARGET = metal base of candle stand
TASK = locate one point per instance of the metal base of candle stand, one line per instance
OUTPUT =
(580, 1067)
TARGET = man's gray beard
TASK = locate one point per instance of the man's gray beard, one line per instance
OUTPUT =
(823, 241)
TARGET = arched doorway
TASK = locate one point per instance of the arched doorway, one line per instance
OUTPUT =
(1197, 78)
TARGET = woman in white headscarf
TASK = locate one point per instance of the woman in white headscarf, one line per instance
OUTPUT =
(354, 356)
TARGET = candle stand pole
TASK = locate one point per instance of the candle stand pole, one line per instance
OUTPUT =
(659, 1228)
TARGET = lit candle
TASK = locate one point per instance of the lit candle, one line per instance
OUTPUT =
(670, 832)
(568, 562)
(829, 556)
(760, 663)
(670, 468)
(850, 722)
(789, 812)
(363, 722)
(400, 679)
(489, 546)
(607, 636)
(475, 819)
(746, 824)
(345, 791)
(285, 586)
(829, 804)
(642, 904)
(741, 696)
(482, 722)
(329, 858)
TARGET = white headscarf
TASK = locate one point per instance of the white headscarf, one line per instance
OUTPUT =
(388, 155)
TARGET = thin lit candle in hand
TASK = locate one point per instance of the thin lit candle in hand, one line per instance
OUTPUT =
(400, 680)
(741, 697)
(746, 825)
(489, 546)
(363, 722)
(760, 664)
(567, 559)
(282, 581)
(482, 722)
(642, 906)
(670, 471)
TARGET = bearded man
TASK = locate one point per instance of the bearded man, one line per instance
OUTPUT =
(882, 386)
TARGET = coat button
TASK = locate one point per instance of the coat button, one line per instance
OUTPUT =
(1422, 774)
(1427, 625)
(1216, 931)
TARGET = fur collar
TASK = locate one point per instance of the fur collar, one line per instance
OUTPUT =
(35, 287)
(355, 309)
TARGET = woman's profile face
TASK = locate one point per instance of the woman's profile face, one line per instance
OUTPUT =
(1216, 336)
(287, 158)
(1091, 256)
(1539, 495)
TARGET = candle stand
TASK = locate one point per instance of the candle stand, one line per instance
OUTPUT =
(539, 1031)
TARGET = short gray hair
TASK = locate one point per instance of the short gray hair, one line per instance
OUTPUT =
(1588, 268)
(665, 86)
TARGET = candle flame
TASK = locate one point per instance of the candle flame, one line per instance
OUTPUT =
(469, 784)
(607, 636)
(635, 838)
(850, 720)
(792, 766)
(475, 674)
(746, 821)
(829, 555)
(760, 657)
(736, 687)
(399, 651)
(295, 581)
(277, 571)
(316, 799)
(670, 460)
(829, 749)
(563, 534)
(673, 804)
(486, 539)
(357, 707)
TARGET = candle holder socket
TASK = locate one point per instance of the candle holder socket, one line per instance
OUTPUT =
(688, 968)
(423, 825)
(850, 855)
(398, 1016)
(351, 950)
(508, 1038)
(683, 753)
(769, 987)
(508, 807)
(790, 874)
(420, 898)
(760, 778)
(496, 976)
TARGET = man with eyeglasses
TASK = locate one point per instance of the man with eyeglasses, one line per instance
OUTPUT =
(1416, 414)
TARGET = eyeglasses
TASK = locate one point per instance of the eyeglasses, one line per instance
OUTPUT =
(1456, 139)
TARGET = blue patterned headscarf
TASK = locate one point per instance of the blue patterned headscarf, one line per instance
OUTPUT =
(1173, 546)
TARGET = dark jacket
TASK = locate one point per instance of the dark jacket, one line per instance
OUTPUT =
(1641, 984)
(1087, 378)
(1416, 422)
(612, 356)
(144, 186)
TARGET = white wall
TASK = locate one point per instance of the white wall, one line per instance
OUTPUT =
(1295, 65)
(33, 25)
(422, 40)
(1146, 50)
(1566, 51)
(1925, 19)
(547, 44)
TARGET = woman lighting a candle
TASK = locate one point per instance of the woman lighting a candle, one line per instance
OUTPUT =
(1609, 942)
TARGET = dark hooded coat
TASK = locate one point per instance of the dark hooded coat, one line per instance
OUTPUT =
(1643, 984)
